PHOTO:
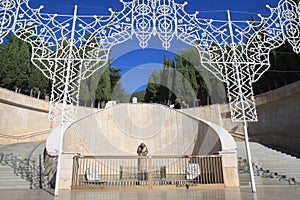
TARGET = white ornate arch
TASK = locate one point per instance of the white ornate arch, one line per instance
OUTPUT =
(70, 48)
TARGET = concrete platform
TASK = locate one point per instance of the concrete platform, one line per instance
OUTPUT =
(241, 193)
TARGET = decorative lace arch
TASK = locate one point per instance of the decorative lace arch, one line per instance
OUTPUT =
(70, 48)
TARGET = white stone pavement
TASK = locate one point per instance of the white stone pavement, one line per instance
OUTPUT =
(238, 193)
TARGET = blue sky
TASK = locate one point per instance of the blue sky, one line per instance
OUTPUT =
(101, 6)
(137, 64)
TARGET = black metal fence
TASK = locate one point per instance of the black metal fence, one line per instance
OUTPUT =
(93, 171)
(30, 170)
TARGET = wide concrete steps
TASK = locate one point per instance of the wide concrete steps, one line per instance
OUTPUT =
(16, 160)
(272, 164)
(9, 180)
(245, 180)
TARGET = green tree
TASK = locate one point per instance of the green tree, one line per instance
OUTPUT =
(140, 95)
(119, 95)
(16, 68)
(103, 91)
(164, 92)
(206, 85)
(152, 87)
(185, 80)
(102, 86)
(115, 76)
(284, 69)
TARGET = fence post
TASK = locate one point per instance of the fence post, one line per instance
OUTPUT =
(150, 183)
(30, 173)
(40, 170)
(75, 172)
(230, 168)
(16, 165)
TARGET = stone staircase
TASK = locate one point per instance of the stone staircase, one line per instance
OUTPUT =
(19, 166)
(9, 180)
(271, 167)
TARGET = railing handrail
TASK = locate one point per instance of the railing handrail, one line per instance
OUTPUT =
(25, 136)
(148, 156)
(146, 171)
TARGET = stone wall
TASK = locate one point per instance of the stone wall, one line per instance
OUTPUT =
(278, 118)
(22, 119)
(278, 114)
(120, 129)
(218, 114)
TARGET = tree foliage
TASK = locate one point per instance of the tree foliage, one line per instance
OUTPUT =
(183, 80)
(152, 87)
(17, 71)
(102, 86)
(284, 69)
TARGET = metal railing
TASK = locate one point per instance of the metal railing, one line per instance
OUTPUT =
(29, 170)
(141, 171)
(25, 136)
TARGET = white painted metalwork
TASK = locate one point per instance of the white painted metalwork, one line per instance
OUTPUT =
(237, 52)
(68, 49)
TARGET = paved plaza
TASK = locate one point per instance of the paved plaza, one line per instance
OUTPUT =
(244, 193)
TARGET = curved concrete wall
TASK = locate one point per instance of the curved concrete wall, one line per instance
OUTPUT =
(278, 114)
(120, 129)
(22, 118)
(278, 118)
(218, 114)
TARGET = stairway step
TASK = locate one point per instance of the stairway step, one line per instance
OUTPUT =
(10, 180)
(14, 182)
(268, 165)
(6, 187)
(277, 169)
(289, 174)
(20, 152)
(269, 159)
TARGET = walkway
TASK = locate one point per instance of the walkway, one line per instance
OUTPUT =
(243, 193)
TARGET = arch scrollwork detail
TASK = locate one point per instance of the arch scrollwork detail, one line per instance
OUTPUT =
(236, 52)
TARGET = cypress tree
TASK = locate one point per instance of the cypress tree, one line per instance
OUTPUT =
(152, 87)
